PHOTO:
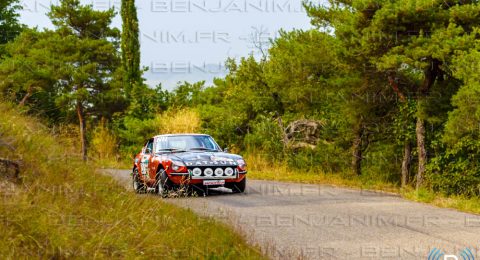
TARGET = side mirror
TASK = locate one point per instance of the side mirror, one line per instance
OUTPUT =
(148, 151)
(225, 150)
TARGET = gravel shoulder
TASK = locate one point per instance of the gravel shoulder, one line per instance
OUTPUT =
(292, 220)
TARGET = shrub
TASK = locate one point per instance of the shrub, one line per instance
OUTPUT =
(225, 124)
(185, 120)
(266, 137)
(457, 170)
(103, 143)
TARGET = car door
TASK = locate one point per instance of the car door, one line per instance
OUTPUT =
(151, 164)
(145, 160)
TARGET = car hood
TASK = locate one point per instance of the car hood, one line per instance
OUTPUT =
(199, 158)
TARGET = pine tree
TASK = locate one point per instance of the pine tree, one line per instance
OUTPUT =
(90, 59)
(9, 25)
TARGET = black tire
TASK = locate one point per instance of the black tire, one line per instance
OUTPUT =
(163, 184)
(237, 187)
(138, 185)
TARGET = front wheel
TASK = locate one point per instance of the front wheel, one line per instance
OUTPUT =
(138, 185)
(237, 187)
(163, 184)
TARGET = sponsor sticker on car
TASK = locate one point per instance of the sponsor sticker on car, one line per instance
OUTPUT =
(213, 182)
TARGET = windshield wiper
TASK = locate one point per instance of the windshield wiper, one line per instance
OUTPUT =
(203, 149)
(176, 150)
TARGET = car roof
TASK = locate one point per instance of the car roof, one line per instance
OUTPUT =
(166, 135)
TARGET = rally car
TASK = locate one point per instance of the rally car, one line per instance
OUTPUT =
(195, 161)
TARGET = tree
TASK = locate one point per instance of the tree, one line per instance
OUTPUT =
(229, 107)
(187, 94)
(306, 71)
(30, 70)
(9, 25)
(91, 61)
(463, 121)
(427, 36)
(367, 104)
(301, 70)
(130, 46)
(456, 170)
(412, 39)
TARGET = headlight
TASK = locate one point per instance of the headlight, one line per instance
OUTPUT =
(177, 165)
(242, 165)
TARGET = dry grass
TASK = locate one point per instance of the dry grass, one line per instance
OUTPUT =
(62, 209)
(104, 143)
(176, 122)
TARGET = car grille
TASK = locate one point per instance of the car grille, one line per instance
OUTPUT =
(212, 172)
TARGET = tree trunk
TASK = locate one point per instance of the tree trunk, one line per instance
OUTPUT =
(26, 97)
(431, 75)
(422, 154)
(357, 152)
(407, 159)
(83, 138)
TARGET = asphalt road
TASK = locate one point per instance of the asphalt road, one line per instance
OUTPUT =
(304, 221)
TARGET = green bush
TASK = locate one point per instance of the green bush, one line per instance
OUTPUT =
(265, 136)
(383, 163)
(329, 158)
(457, 170)
(225, 124)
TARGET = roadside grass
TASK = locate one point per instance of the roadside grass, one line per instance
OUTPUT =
(261, 169)
(62, 208)
(113, 163)
(461, 203)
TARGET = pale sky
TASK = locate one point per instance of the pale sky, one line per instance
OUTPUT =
(191, 39)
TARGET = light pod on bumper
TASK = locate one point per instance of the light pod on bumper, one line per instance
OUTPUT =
(218, 172)
(196, 172)
(229, 171)
(208, 172)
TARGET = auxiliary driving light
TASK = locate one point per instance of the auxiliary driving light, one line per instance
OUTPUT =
(208, 172)
(229, 171)
(196, 172)
(218, 172)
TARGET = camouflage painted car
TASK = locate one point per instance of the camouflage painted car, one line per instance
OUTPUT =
(195, 161)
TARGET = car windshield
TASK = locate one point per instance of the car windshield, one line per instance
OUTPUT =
(177, 143)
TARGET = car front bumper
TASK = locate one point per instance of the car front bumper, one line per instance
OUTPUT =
(187, 178)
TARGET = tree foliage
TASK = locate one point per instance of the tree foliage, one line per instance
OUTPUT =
(68, 71)
(130, 46)
(30, 69)
(90, 62)
(9, 24)
(411, 42)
